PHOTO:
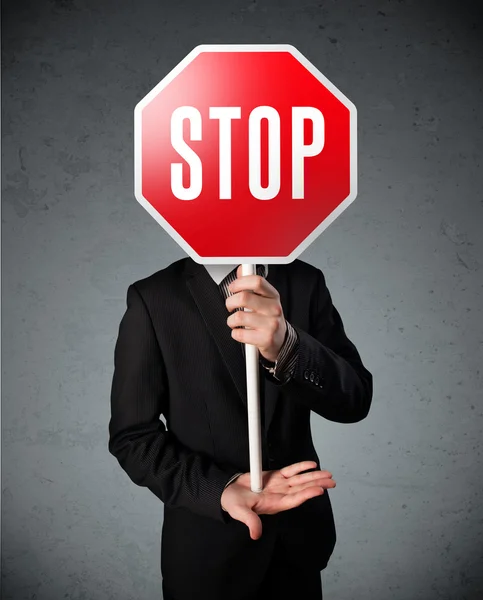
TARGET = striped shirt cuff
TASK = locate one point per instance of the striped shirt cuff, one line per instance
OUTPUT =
(232, 479)
(287, 357)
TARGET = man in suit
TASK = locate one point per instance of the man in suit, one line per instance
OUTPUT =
(179, 354)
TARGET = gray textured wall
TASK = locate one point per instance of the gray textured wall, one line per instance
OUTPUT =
(404, 264)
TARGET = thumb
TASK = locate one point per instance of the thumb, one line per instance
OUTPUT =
(251, 520)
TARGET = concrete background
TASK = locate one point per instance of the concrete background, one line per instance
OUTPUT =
(403, 263)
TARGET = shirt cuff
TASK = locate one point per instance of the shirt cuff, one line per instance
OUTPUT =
(284, 366)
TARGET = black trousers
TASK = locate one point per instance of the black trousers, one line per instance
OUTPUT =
(283, 581)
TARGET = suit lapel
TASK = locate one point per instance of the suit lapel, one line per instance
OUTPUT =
(211, 305)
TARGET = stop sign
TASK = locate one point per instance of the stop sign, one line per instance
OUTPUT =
(245, 153)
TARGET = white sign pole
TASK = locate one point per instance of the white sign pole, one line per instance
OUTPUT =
(253, 403)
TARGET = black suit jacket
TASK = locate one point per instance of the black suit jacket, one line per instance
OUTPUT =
(175, 357)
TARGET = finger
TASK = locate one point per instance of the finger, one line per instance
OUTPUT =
(248, 319)
(305, 477)
(296, 468)
(256, 283)
(247, 299)
(250, 336)
(251, 520)
(292, 500)
(323, 483)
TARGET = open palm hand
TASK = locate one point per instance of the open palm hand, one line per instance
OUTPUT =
(282, 490)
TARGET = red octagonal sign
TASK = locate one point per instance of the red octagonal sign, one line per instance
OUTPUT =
(245, 154)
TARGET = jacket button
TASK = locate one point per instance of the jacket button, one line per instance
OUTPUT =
(306, 374)
(312, 376)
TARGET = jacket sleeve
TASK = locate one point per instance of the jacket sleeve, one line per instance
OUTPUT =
(329, 376)
(149, 453)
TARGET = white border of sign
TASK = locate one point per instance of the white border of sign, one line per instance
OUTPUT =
(244, 48)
